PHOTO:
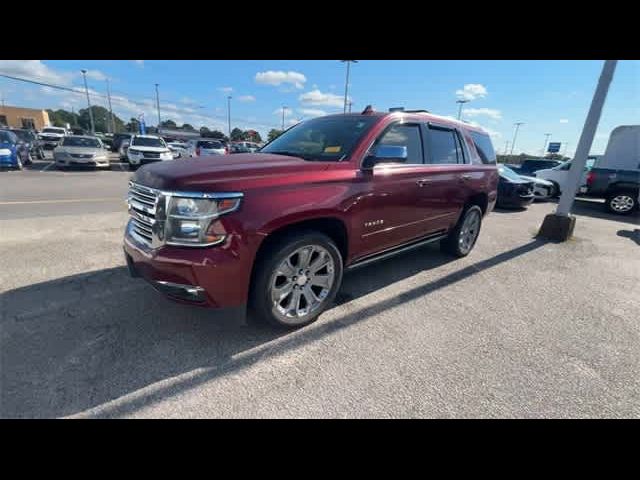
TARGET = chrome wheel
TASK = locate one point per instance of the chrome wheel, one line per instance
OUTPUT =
(469, 231)
(622, 203)
(301, 283)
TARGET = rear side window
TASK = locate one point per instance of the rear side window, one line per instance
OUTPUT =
(484, 147)
(445, 146)
(208, 144)
(405, 136)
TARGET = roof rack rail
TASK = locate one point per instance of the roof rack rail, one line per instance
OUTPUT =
(417, 111)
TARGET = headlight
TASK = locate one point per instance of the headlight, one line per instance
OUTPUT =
(134, 152)
(190, 221)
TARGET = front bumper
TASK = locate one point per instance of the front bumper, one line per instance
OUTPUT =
(213, 277)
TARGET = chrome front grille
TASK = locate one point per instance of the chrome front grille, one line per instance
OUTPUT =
(142, 209)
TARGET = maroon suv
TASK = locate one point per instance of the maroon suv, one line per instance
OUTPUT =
(276, 229)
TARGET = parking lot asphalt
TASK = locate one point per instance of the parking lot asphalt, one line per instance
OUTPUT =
(519, 328)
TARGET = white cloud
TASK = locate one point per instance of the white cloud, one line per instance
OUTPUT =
(139, 63)
(35, 70)
(226, 90)
(316, 97)
(480, 112)
(247, 98)
(280, 77)
(96, 75)
(564, 120)
(312, 112)
(287, 112)
(492, 133)
(471, 91)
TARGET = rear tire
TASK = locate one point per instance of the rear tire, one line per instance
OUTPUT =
(282, 267)
(622, 202)
(463, 237)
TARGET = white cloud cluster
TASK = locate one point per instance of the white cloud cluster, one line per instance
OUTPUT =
(247, 98)
(226, 90)
(564, 120)
(471, 91)
(276, 78)
(482, 112)
(139, 63)
(312, 112)
(317, 98)
(35, 70)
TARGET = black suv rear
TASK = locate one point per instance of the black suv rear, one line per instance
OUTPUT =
(118, 138)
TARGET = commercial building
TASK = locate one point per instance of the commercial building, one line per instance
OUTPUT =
(18, 117)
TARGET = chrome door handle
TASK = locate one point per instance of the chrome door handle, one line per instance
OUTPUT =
(466, 176)
(423, 181)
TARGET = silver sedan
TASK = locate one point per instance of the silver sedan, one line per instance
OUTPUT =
(81, 151)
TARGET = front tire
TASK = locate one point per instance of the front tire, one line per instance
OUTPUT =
(296, 279)
(622, 202)
(463, 237)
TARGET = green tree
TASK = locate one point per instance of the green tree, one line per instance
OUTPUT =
(187, 126)
(205, 132)
(101, 119)
(217, 134)
(273, 134)
(60, 118)
(133, 126)
(169, 124)
(237, 135)
(252, 136)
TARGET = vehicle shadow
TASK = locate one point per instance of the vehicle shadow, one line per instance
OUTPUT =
(80, 342)
(633, 235)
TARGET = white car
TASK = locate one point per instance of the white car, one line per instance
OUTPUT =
(200, 147)
(145, 149)
(179, 149)
(542, 189)
(52, 136)
(558, 175)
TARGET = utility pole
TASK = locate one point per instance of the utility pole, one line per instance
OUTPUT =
(346, 83)
(559, 225)
(112, 124)
(283, 109)
(229, 114)
(461, 102)
(506, 147)
(158, 105)
(546, 139)
(515, 135)
(86, 89)
(350, 103)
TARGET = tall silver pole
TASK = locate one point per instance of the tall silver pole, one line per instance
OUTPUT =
(158, 105)
(283, 109)
(86, 89)
(546, 139)
(346, 83)
(112, 123)
(229, 114)
(586, 139)
(515, 135)
(461, 102)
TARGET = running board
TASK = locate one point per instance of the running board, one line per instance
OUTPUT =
(396, 251)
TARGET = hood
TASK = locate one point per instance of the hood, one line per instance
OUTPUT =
(81, 150)
(225, 172)
(536, 180)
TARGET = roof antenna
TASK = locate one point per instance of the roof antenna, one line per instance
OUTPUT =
(367, 110)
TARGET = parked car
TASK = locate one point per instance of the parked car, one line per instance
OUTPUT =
(51, 136)
(122, 152)
(179, 149)
(245, 146)
(558, 175)
(13, 152)
(84, 151)
(276, 229)
(239, 148)
(31, 141)
(118, 138)
(513, 190)
(616, 178)
(200, 147)
(532, 165)
(145, 149)
(542, 189)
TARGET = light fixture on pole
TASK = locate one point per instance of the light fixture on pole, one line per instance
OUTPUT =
(515, 135)
(86, 89)
(346, 83)
(461, 101)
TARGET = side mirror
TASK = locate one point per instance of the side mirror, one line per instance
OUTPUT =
(386, 154)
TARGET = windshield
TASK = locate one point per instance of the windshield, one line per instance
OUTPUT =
(7, 137)
(509, 174)
(147, 142)
(23, 135)
(325, 138)
(81, 142)
(53, 130)
(217, 145)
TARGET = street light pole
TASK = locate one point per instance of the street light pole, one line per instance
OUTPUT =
(546, 139)
(158, 106)
(346, 83)
(461, 102)
(515, 135)
(283, 109)
(506, 147)
(559, 225)
(229, 114)
(86, 89)
(112, 124)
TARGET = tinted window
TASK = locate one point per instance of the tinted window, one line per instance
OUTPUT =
(147, 142)
(7, 137)
(484, 147)
(81, 142)
(444, 146)
(509, 174)
(24, 135)
(405, 136)
(209, 144)
(53, 130)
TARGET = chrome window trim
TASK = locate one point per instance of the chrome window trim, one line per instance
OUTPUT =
(170, 193)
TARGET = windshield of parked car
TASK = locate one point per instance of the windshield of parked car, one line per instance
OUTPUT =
(210, 144)
(81, 142)
(7, 137)
(53, 130)
(325, 138)
(24, 135)
(509, 174)
(147, 142)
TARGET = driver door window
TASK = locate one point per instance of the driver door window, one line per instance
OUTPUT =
(403, 135)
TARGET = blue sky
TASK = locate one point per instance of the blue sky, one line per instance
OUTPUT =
(548, 96)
